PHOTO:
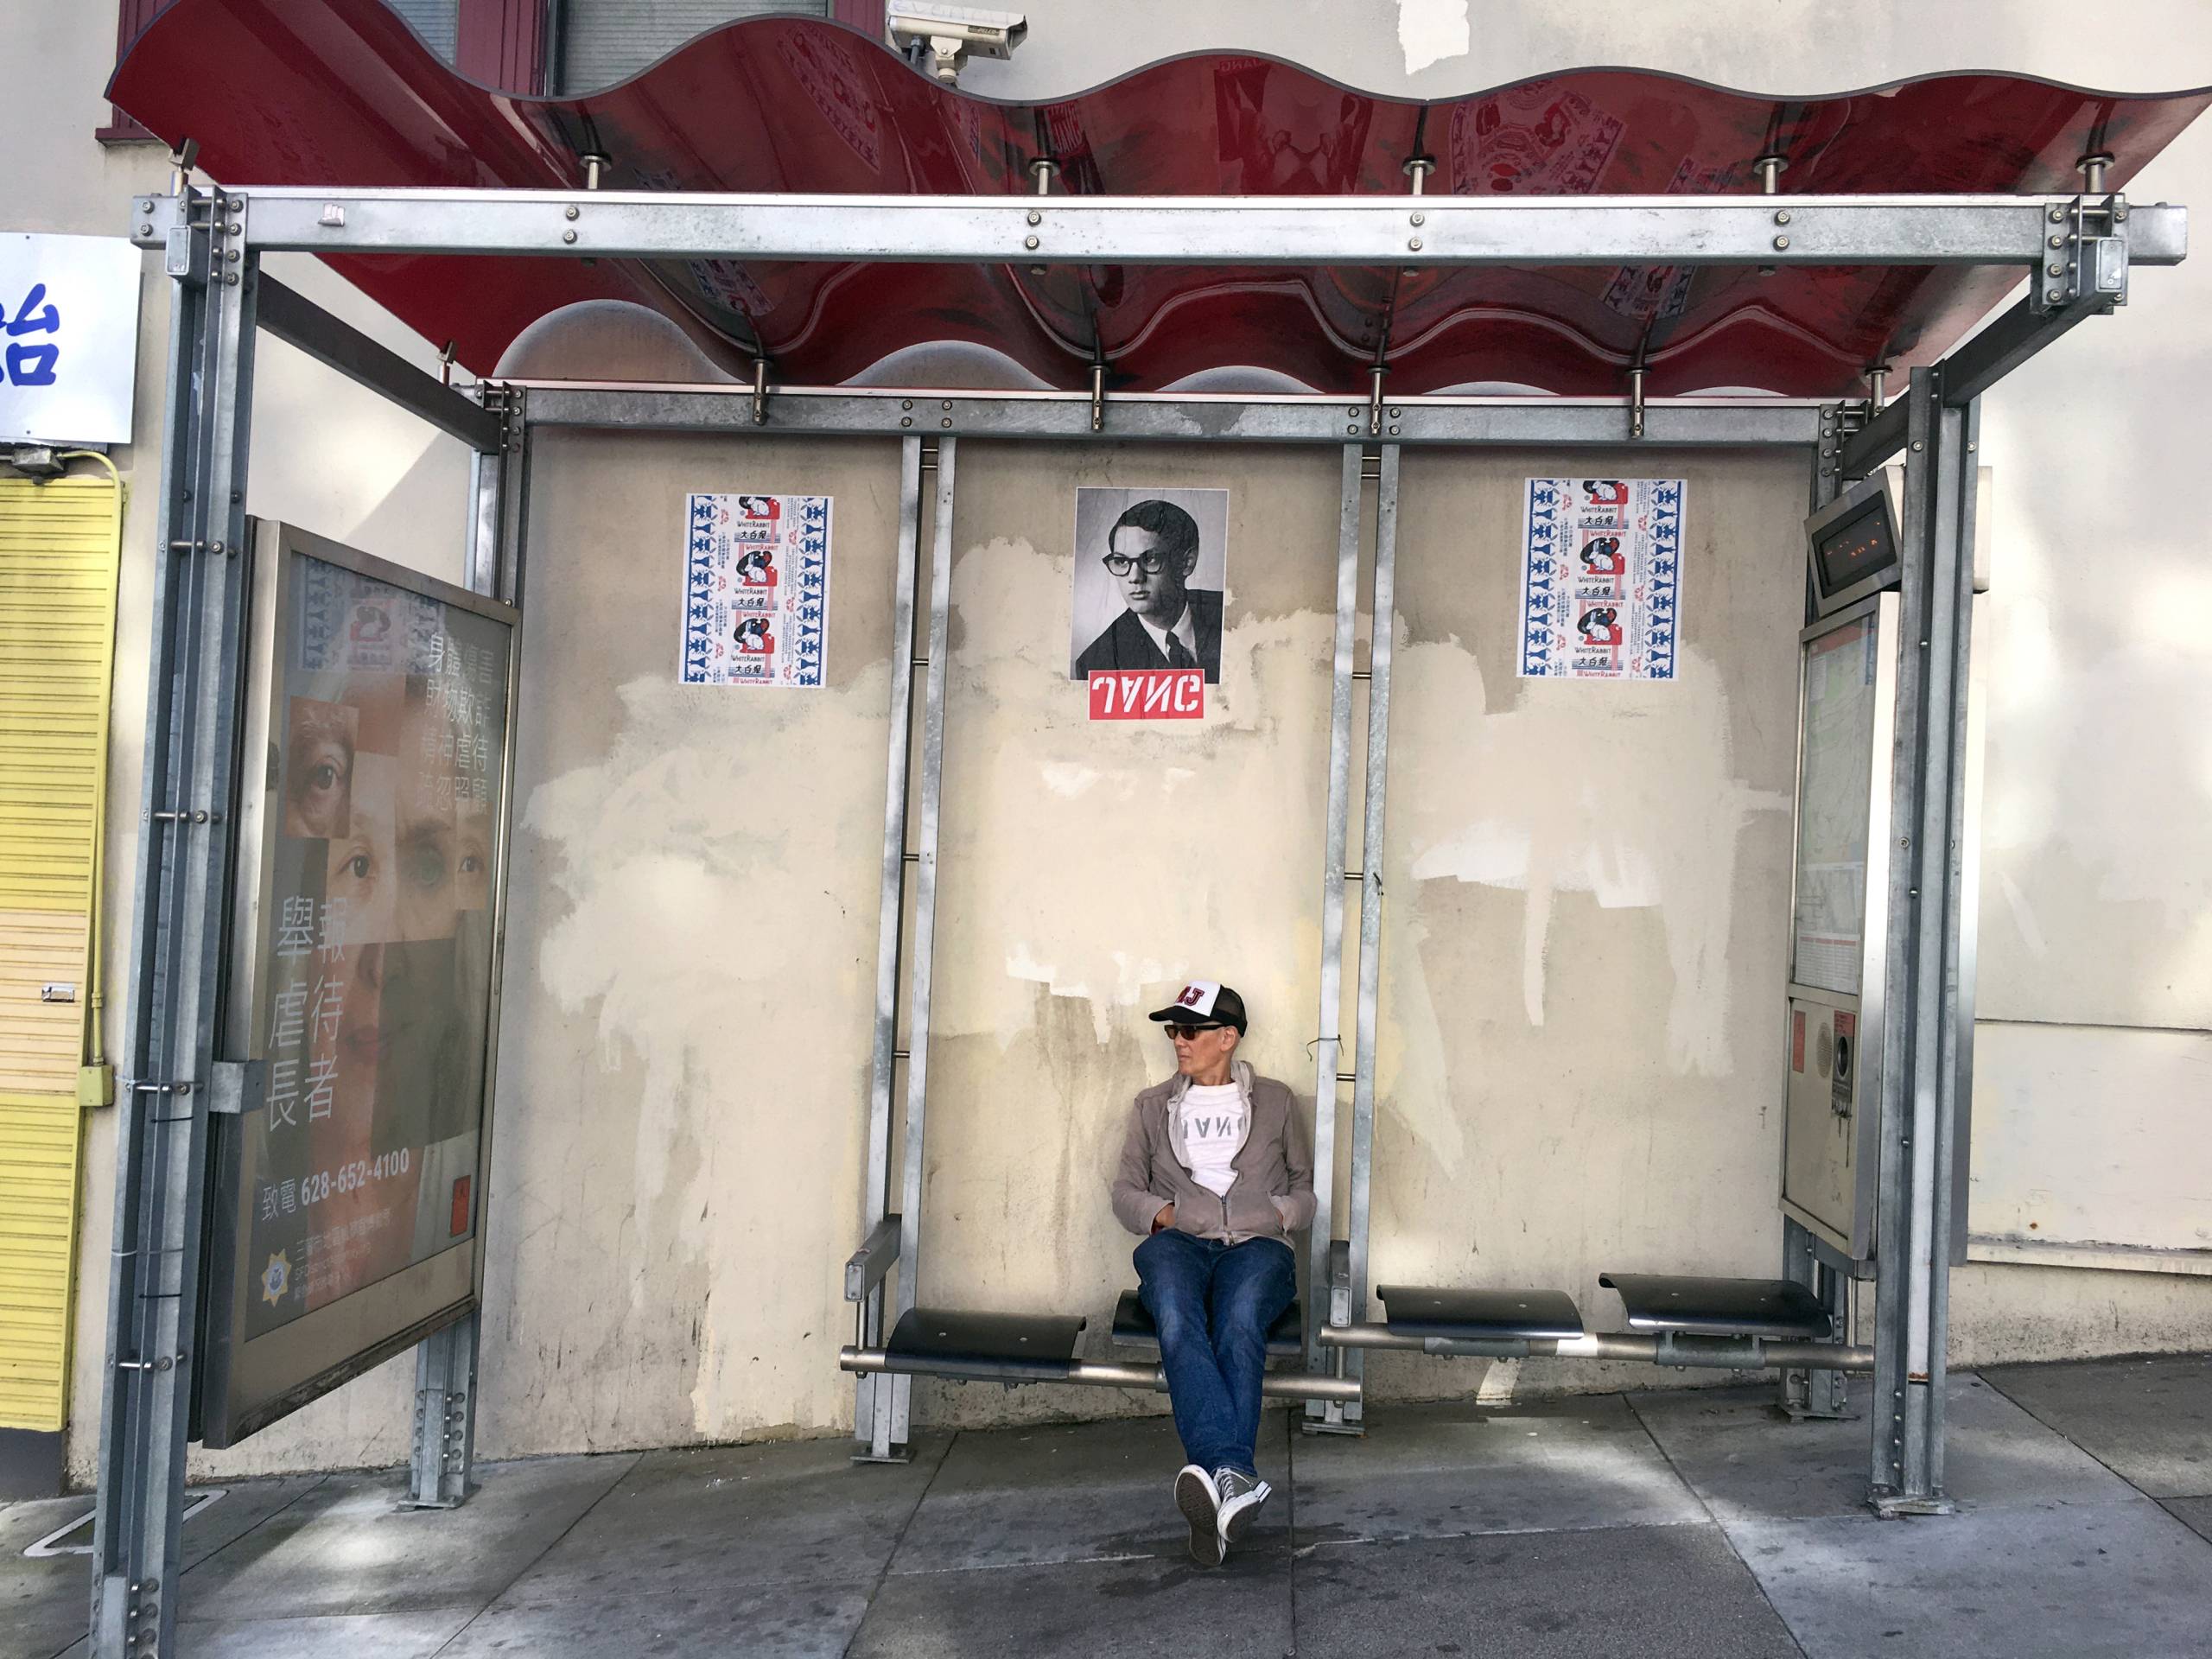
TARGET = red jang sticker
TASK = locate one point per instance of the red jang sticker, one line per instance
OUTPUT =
(1797, 1042)
(1148, 694)
(457, 1223)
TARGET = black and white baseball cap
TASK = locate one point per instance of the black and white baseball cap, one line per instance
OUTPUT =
(1204, 1002)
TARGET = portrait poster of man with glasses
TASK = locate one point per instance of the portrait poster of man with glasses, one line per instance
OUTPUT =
(1150, 566)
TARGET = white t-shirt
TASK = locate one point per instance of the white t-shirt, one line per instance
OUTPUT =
(1214, 1123)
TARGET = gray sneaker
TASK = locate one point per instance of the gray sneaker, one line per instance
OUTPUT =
(1241, 1496)
(1201, 1506)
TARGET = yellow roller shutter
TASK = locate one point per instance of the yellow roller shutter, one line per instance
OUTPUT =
(59, 547)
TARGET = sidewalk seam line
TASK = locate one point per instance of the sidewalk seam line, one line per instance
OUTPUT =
(2033, 1416)
(1719, 1525)
(315, 1486)
(883, 1574)
(1983, 1378)
(552, 1544)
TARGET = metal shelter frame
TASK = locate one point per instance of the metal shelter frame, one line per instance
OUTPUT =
(2076, 251)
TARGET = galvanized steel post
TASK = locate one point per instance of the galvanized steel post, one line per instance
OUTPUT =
(1923, 1045)
(917, 1015)
(881, 1403)
(180, 930)
(444, 1441)
(1382, 623)
(1328, 1041)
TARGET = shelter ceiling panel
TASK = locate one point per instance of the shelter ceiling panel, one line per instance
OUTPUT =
(345, 94)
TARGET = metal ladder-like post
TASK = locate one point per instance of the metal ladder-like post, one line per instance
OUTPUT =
(882, 1402)
(444, 1446)
(1338, 1267)
(1323, 1302)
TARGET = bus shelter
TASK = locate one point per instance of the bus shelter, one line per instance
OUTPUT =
(1767, 293)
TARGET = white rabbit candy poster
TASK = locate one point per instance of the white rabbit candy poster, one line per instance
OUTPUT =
(756, 590)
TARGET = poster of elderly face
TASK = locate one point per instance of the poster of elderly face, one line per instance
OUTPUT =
(1150, 567)
(390, 731)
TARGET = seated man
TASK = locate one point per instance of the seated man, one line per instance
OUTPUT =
(1218, 1171)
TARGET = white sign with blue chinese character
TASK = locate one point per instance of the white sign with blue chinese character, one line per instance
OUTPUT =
(756, 589)
(1601, 578)
(68, 337)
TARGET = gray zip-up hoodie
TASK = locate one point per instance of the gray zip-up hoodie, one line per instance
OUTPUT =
(1272, 1193)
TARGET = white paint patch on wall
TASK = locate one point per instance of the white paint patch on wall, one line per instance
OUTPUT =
(699, 924)
(2024, 918)
(2092, 1135)
(1568, 792)
(1430, 31)
(683, 1082)
(1108, 854)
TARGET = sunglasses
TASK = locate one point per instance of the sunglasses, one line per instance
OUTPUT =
(1185, 1033)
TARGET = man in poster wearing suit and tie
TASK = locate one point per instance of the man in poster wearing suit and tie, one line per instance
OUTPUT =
(1152, 551)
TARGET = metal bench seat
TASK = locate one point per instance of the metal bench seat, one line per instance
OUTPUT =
(1133, 1328)
(1719, 1308)
(1480, 1315)
(948, 1342)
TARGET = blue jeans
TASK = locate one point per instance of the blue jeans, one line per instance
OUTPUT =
(1212, 1304)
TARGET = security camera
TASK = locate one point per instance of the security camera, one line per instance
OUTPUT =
(939, 39)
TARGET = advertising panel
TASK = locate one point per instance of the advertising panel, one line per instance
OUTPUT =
(358, 1169)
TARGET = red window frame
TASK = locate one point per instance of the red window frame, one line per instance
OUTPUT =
(131, 16)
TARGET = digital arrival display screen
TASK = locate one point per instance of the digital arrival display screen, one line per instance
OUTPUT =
(1863, 546)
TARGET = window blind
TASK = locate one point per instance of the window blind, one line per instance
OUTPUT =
(603, 41)
(438, 21)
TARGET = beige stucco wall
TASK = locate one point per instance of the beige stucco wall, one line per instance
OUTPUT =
(1531, 1122)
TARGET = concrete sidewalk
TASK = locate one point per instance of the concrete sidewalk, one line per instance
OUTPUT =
(1686, 1522)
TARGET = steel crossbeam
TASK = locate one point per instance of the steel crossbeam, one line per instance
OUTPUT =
(1428, 231)
(1168, 417)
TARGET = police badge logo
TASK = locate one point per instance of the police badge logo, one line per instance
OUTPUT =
(275, 1277)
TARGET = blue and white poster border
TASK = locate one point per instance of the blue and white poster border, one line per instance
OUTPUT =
(756, 590)
(1601, 580)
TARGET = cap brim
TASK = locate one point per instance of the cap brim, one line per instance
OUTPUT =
(1197, 1021)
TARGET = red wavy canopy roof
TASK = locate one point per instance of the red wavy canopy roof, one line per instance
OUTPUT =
(341, 92)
